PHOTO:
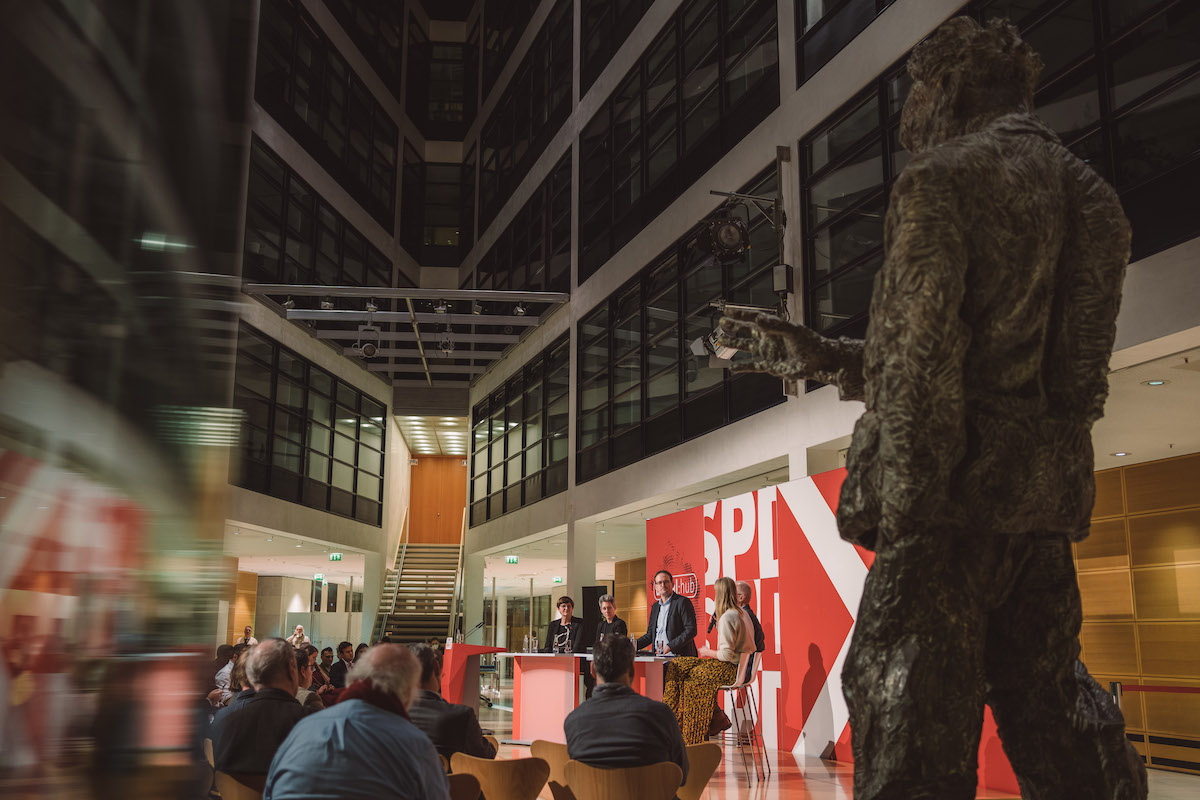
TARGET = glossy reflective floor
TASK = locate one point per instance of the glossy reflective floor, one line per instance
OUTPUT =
(805, 778)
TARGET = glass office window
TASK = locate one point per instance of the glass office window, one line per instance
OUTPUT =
(513, 462)
(641, 389)
(604, 27)
(307, 437)
(377, 29)
(304, 83)
(534, 106)
(294, 236)
(824, 27)
(708, 78)
(503, 24)
(533, 253)
(1123, 95)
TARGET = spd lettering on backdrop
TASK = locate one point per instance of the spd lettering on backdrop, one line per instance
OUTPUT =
(807, 582)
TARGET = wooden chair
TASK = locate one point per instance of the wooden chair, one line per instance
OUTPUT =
(212, 767)
(445, 763)
(463, 786)
(703, 760)
(554, 754)
(233, 789)
(655, 782)
(518, 779)
(495, 743)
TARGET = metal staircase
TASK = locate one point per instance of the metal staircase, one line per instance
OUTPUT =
(424, 594)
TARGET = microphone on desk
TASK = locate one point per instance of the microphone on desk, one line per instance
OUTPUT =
(712, 622)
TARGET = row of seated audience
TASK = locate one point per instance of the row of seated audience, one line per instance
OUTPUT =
(373, 723)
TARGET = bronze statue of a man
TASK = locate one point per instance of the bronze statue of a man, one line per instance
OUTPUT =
(970, 474)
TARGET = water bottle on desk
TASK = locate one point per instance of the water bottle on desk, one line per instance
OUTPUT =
(533, 645)
(525, 647)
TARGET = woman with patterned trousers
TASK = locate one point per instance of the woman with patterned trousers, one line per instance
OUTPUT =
(691, 683)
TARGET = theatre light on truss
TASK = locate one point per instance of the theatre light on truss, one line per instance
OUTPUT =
(519, 310)
(441, 307)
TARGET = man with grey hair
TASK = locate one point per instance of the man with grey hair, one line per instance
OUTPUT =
(610, 625)
(245, 736)
(745, 593)
(365, 746)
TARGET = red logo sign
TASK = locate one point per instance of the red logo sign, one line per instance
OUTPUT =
(687, 585)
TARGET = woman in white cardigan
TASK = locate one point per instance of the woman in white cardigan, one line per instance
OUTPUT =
(691, 683)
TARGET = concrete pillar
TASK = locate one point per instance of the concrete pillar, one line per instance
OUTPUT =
(472, 593)
(502, 621)
(372, 588)
(581, 560)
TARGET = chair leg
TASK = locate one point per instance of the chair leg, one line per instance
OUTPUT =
(765, 769)
(738, 739)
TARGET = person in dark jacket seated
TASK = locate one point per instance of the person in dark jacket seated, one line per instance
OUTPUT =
(246, 735)
(745, 593)
(452, 728)
(565, 634)
(619, 727)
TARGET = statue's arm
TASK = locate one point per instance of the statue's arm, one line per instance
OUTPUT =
(918, 341)
(794, 352)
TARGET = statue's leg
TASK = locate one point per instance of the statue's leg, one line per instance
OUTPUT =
(913, 678)
(1063, 734)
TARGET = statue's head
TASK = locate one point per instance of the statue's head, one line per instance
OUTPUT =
(965, 75)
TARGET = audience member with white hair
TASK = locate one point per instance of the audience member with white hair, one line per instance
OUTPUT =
(364, 746)
(246, 735)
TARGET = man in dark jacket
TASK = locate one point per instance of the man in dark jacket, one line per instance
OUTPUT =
(745, 593)
(246, 735)
(337, 673)
(672, 619)
(452, 728)
(619, 727)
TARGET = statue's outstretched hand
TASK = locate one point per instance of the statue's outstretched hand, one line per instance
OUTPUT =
(776, 346)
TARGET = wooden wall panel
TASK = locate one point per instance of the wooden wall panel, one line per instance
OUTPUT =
(1135, 719)
(1105, 547)
(1146, 524)
(1109, 647)
(629, 588)
(1168, 538)
(1167, 592)
(1110, 501)
(1170, 649)
(1173, 714)
(242, 605)
(1106, 595)
(439, 495)
(1161, 485)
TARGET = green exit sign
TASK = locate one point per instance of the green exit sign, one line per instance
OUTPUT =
(557, 579)
(335, 556)
(511, 559)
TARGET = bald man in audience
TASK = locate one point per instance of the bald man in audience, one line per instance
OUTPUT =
(745, 593)
(245, 736)
(364, 747)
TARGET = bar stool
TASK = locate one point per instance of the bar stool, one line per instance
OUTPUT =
(743, 698)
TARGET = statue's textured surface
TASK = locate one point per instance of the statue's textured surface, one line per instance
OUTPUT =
(983, 370)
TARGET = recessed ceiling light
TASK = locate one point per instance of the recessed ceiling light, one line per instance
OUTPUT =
(235, 533)
(299, 545)
(1155, 382)
(1120, 454)
(270, 539)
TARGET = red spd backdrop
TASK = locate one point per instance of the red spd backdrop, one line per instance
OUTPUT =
(783, 540)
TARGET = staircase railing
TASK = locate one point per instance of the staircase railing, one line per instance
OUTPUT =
(456, 602)
(382, 614)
